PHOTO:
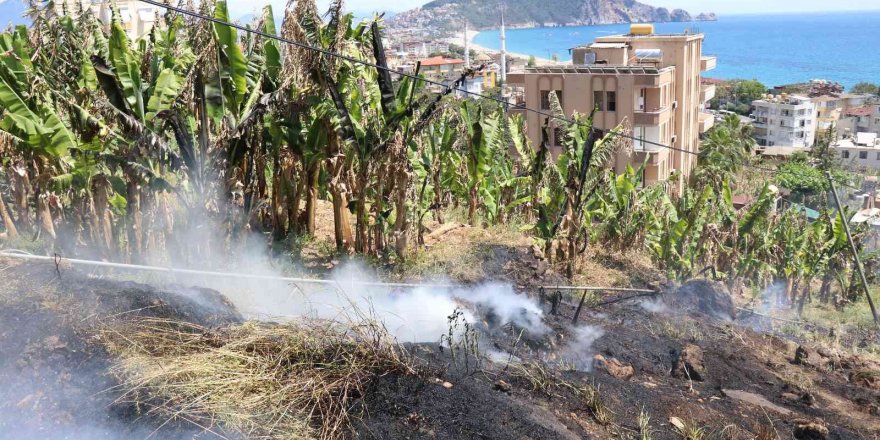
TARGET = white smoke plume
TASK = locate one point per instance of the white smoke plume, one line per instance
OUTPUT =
(579, 352)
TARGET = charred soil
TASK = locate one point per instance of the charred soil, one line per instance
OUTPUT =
(665, 372)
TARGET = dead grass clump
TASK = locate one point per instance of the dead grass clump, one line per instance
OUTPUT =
(265, 381)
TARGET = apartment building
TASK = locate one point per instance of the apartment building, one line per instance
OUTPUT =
(785, 121)
(137, 17)
(859, 152)
(440, 68)
(864, 119)
(652, 81)
(830, 109)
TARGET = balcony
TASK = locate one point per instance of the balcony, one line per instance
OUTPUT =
(707, 92)
(708, 63)
(707, 121)
(653, 117)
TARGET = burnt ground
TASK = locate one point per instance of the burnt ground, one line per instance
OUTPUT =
(54, 380)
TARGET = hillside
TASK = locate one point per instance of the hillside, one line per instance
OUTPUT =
(450, 14)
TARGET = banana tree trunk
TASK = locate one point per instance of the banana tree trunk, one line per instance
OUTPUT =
(44, 214)
(825, 290)
(472, 205)
(295, 200)
(438, 194)
(135, 220)
(21, 189)
(804, 296)
(312, 175)
(338, 191)
(402, 179)
(789, 285)
(362, 221)
(103, 215)
(11, 231)
(279, 228)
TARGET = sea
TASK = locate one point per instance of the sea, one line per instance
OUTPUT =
(775, 49)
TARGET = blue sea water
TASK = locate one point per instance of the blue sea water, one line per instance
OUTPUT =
(775, 49)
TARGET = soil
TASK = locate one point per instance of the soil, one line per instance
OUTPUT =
(751, 387)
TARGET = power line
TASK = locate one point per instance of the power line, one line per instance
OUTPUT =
(426, 80)
(387, 69)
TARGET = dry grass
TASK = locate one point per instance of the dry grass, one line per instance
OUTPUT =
(601, 267)
(295, 381)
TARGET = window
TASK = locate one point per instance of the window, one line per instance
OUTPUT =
(863, 154)
(845, 154)
(612, 101)
(545, 98)
(878, 156)
(803, 123)
(598, 102)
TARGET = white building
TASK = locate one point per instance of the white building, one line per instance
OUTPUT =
(785, 121)
(860, 152)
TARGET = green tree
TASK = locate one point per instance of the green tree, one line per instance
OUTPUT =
(532, 61)
(866, 88)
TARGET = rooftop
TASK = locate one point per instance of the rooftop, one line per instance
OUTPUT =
(860, 111)
(599, 69)
(659, 37)
(440, 61)
(862, 140)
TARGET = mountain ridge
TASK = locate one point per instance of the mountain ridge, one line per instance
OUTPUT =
(451, 14)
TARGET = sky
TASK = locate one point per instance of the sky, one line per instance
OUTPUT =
(241, 7)
(365, 7)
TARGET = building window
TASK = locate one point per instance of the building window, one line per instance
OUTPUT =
(598, 101)
(845, 154)
(878, 156)
(545, 98)
(612, 101)
(863, 154)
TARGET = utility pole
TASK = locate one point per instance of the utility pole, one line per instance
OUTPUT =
(467, 47)
(852, 246)
(503, 50)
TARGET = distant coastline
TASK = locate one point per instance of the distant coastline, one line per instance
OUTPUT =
(471, 35)
(741, 43)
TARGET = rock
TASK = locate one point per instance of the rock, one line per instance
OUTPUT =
(866, 378)
(756, 400)
(808, 357)
(706, 297)
(502, 386)
(614, 367)
(810, 430)
(447, 385)
(689, 364)
(806, 398)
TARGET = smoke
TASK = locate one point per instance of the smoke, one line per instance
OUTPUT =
(656, 306)
(579, 352)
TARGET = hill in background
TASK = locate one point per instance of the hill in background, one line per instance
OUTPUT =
(451, 14)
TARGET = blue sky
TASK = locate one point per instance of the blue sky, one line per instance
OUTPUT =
(243, 7)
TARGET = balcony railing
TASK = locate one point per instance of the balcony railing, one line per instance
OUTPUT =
(707, 92)
(652, 117)
(708, 63)
(707, 121)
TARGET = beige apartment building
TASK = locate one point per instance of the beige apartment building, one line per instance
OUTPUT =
(137, 17)
(650, 80)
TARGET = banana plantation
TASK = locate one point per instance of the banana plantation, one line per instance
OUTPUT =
(123, 147)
